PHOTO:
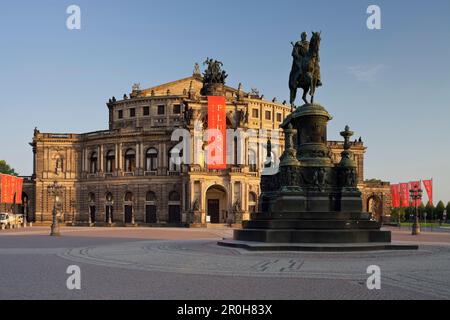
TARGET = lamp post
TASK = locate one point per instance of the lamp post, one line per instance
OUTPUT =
(55, 191)
(72, 209)
(416, 196)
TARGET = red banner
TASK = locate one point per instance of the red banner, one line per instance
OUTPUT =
(415, 185)
(19, 189)
(10, 186)
(395, 195)
(7, 191)
(428, 184)
(404, 195)
(217, 133)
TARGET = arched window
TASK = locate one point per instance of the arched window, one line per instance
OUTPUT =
(109, 198)
(93, 162)
(150, 196)
(130, 160)
(252, 161)
(110, 161)
(128, 197)
(151, 163)
(174, 207)
(175, 159)
(128, 208)
(252, 198)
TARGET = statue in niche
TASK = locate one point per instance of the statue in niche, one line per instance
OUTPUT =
(237, 206)
(58, 165)
(196, 205)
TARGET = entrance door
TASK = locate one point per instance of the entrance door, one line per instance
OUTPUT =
(214, 210)
(174, 214)
(150, 214)
(128, 214)
(92, 211)
(109, 212)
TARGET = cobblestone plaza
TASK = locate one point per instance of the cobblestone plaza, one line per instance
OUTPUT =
(173, 263)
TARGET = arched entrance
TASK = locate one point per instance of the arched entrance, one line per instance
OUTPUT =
(216, 204)
(128, 208)
(375, 207)
(150, 208)
(174, 207)
(92, 207)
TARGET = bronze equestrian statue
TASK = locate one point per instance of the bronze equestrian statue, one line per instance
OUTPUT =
(305, 72)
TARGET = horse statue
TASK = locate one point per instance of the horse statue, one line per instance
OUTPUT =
(305, 71)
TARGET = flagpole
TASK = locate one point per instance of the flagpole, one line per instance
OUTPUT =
(431, 227)
(431, 196)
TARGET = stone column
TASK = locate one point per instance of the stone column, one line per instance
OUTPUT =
(99, 159)
(142, 155)
(183, 203)
(102, 159)
(165, 157)
(116, 158)
(120, 157)
(160, 159)
(230, 198)
(82, 160)
(202, 200)
(138, 158)
(86, 160)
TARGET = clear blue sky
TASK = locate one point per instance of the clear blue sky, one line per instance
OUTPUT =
(392, 86)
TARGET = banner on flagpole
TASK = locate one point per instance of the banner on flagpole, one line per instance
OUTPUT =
(19, 189)
(395, 195)
(428, 184)
(217, 133)
(404, 195)
(11, 187)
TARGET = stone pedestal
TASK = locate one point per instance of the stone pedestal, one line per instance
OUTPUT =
(311, 202)
(198, 219)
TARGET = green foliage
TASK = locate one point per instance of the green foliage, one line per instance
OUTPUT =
(439, 211)
(429, 210)
(396, 212)
(422, 208)
(448, 209)
(6, 169)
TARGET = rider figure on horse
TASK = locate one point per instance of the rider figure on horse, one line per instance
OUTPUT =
(298, 53)
(305, 66)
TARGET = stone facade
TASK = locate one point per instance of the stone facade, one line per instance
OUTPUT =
(127, 174)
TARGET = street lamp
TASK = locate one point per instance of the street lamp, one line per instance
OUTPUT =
(55, 191)
(416, 196)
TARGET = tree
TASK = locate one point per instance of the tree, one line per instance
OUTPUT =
(396, 212)
(422, 209)
(429, 210)
(439, 211)
(448, 209)
(6, 169)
